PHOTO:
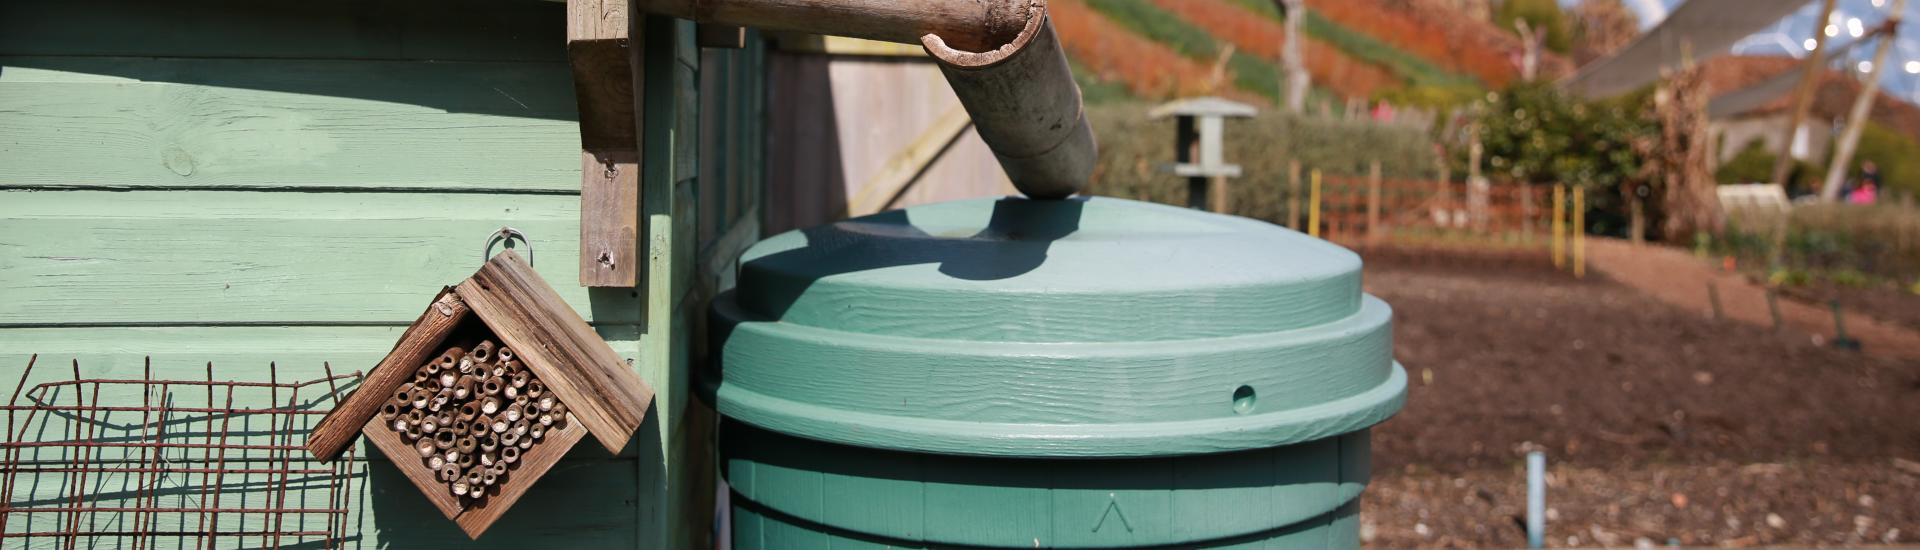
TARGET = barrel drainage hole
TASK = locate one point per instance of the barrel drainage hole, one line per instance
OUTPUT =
(1243, 399)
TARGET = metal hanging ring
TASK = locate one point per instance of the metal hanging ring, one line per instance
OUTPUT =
(506, 233)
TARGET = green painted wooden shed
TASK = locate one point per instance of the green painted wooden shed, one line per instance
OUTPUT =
(248, 182)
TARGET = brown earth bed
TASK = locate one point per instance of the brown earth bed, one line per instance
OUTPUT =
(1887, 303)
(1658, 423)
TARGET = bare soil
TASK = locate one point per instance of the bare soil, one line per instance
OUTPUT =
(1659, 423)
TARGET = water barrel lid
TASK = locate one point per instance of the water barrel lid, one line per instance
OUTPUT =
(1089, 327)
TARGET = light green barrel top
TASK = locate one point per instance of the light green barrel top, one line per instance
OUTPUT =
(1081, 328)
(1081, 373)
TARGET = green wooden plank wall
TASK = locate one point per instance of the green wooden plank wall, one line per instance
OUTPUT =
(244, 182)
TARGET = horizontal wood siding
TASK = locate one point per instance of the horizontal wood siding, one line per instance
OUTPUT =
(247, 182)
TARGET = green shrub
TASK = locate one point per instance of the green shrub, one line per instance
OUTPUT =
(1897, 155)
(1134, 151)
(1754, 164)
(1847, 244)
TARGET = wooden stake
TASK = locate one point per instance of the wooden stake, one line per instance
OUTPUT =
(1559, 225)
(1862, 106)
(1373, 202)
(1313, 203)
(1579, 232)
(1293, 194)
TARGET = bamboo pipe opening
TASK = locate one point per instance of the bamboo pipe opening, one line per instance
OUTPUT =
(465, 445)
(509, 455)
(482, 352)
(444, 440)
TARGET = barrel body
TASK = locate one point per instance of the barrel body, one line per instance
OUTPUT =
(1089, 373)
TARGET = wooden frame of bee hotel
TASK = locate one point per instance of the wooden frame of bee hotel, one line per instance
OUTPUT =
(493, 384)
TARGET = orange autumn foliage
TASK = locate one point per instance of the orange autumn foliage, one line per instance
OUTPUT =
(1147, 68)
(1449, 42)
(1330, 68)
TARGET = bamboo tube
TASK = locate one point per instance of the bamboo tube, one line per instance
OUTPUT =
(1024, 104)
(525, 403)
(499, 469)
(411, 432)
(520, 428)
(509, 438)
(444, 440)
(525, 444)
(424, 447)
(466, 461)
(547, 403)
(448, 472)
(414, 418)
(488, 442)
(468, 411)
(420, 398)
(510, 455)
(452, 455)
(505, 354)
(499, 425)
(537, 432)
(389, 410)
(514, 413)
(520, 379)
(486, 459)
(490, 405)
(482, 352)
(535, 389)
(513, 366)
(400, 425)
(465, 387)
(430, 425)
(462, 426)
(435, 462)
(491, 386)
(511, 392)
(465, 445)
(489, 478)
(460, 488)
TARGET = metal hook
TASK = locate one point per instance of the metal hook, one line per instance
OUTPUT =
(504, 234)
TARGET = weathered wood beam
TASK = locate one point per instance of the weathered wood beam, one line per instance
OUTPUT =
(607, 78)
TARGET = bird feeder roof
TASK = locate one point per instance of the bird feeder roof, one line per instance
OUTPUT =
(1203, 106)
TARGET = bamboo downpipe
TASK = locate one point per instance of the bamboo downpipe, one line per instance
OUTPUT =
(1000, 56)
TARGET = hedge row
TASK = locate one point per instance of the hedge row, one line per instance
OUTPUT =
(1134, 153)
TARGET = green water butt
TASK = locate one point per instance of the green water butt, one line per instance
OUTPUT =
(1095, 373)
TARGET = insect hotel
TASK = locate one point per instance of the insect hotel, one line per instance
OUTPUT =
(810, 275)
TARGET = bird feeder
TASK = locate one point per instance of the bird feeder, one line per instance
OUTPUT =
(1200, 147)
(486, 391)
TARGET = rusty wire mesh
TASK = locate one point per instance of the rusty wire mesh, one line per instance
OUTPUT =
(186, 468)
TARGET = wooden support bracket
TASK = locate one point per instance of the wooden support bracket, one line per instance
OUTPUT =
(603, 49)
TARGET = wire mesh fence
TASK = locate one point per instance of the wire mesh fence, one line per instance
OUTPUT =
(197, 464)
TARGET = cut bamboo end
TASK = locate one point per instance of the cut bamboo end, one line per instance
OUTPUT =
(444, 440)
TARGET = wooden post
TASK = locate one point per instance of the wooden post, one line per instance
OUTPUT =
(1559, 225)
(1313, 203)
(1373, 202)
(1579, 232)
(1293, 194)
(1842, 156)
(1802, 96)
(1296, 78)
(606, 76)
(1217, 193)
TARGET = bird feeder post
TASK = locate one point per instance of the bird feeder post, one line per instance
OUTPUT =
(1200, 147)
